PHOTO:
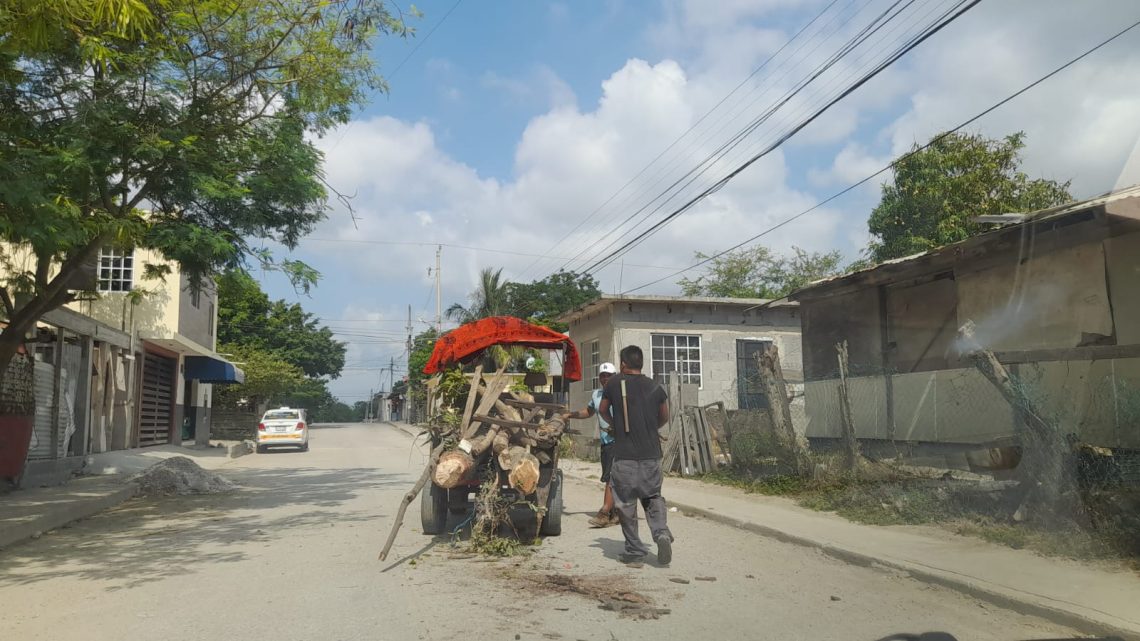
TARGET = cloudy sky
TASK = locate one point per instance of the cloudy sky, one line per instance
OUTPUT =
(521, 134)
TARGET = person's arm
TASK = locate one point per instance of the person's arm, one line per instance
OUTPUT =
(663, 413)
(580, 414)
(604, 410)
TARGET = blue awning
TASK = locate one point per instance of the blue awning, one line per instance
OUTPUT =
(213, 370)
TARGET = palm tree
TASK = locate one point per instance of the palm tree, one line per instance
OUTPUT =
(488, 299)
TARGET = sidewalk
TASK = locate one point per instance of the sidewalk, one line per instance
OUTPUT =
(1080, 595)
(30, 512)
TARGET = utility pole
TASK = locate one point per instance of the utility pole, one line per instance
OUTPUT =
(438, 295)
(368, 412)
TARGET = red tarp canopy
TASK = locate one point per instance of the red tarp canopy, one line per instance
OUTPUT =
(468, 340)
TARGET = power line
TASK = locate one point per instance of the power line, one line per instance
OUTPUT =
(889, 15)
(710, 161)
(415, 243)
(951, 17)
(891, 164)
(671, 145)
(425, 39)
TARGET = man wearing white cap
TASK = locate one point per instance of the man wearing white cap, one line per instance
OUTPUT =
(605, 516)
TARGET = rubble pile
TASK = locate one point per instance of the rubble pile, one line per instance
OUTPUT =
(179, 476)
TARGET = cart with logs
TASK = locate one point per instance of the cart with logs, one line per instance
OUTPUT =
(504, 447)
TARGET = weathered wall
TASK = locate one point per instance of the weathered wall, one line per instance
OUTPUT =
(1059, 299)
(852, 317)
(197, 322)
(1122, 263)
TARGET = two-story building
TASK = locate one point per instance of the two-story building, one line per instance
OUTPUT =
(175, 328)
(132, 365)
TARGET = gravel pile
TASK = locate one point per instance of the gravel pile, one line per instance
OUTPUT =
(179, 476)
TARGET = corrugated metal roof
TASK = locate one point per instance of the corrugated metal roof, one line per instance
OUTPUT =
(1036, 217)
(609, 299)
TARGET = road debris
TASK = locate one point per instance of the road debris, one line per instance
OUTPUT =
(709, 579)
(180, 476)
(613, 593)
(681, 581)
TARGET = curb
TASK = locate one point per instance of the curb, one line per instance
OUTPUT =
(85, 509)
(957, 582)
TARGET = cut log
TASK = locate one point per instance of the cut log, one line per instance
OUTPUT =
(500, 442)
(483, 441)
(525, 397)
(490, 396)
(524, 470)
(453, 468)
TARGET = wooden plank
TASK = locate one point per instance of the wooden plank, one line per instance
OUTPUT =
(503, 422)
(472, 393)
(1088, 353)
(706, 442)
(529, 405)
(495, 387)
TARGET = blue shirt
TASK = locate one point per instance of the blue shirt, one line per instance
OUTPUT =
(603, 424)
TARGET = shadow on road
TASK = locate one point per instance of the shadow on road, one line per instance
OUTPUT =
(148, 539)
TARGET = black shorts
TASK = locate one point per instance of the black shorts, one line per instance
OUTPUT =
(607, 461)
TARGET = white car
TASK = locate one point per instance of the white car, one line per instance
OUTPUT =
(283, 426)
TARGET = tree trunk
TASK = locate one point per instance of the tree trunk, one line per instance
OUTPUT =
(850, 442)
(51, 295)
(408, 498)
(454, 466)
(776, 390)
(1044, 447)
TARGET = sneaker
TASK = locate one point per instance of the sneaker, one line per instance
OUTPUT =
(614, 519)
(602, 519)
(630, 559)
(664, 550)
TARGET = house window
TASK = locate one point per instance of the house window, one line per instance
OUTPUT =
(210, 320)
(116, 269)
(677, 353)
(595, 363)
(196, 297)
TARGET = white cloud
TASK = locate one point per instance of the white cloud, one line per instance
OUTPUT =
(571, 158)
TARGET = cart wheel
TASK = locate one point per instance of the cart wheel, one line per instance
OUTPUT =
(433, 509)
(552, 520)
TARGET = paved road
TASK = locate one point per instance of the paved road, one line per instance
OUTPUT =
(293, 557)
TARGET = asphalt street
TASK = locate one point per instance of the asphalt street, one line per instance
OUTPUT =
(292, 555)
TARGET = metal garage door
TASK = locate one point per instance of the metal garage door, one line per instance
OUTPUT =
(156, 409)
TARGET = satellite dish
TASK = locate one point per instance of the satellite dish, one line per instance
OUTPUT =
(530, 362)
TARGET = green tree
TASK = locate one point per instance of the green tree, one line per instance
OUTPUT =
(268, 379)
(247, 317)
(543, 301)
(756, 272)
(422, 346)
(937, 192)
(183, 126)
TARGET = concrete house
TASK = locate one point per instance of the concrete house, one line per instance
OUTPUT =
(131, 366)
(176, 335)
(1055, 294)
(710, 342)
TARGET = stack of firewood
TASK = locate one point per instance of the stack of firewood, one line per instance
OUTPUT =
(517, 433)
(505, 424)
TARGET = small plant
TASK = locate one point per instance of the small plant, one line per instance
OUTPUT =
(565, 447)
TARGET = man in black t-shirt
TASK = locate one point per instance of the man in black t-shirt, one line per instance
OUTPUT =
(639, 407)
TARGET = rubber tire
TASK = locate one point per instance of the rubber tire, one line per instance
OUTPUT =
(261, 449)
(552, 520)
(305, 447)
(433, 509)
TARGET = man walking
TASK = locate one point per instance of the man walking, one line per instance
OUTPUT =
(639, 407)
(605, 516)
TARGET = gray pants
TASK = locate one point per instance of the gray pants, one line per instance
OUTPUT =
(634, 481)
